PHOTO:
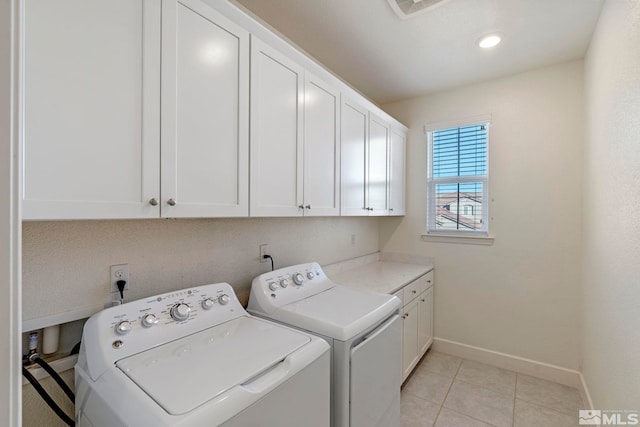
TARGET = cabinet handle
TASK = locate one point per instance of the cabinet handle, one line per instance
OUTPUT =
(422, 300)
(300, 206)
(414, 291)
(390, 209)
(171, 202)
(407, 314)
(428, 281)
(153, 201)
(308, 206)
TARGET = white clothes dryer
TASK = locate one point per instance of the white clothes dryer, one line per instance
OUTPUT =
(363, 328)
(195, 357)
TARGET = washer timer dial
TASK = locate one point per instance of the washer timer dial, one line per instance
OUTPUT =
(298, 279)
(180, 312)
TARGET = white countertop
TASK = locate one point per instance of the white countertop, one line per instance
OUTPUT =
(381, 276)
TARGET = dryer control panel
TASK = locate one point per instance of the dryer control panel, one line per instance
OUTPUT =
(287, 285)
(130, 328)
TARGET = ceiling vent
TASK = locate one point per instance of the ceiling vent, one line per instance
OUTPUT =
(409, 8)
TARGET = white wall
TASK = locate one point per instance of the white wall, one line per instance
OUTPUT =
(612, 209)
(521, 295)
(66, 263)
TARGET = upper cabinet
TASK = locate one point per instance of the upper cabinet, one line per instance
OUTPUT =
(321, 193)
(353, 149)
(397, 170)
(276, 161)
(205, 113)
(295, 149)
(94, 121)
(377, 166)
(91, 109)
(372, 163)
(190, 108)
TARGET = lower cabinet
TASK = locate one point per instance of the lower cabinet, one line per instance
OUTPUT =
(417, 321)
(425, 321)
(409, 338)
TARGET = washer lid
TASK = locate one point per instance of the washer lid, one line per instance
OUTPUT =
(186, 373)
(340, 312)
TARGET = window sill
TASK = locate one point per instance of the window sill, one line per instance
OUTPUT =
(461, 239)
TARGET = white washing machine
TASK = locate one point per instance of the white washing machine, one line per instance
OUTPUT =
(195, 357)
(364, 331)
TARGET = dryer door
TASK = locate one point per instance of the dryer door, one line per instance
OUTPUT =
(376, 376)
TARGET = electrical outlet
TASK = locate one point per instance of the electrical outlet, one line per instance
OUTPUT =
(119, 272)
(263, 252)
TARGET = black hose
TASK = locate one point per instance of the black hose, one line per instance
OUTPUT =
(55, 377)
(75, 349)
(42, 392)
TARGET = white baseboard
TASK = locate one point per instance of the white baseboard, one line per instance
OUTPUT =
(518, 364)
(584, 391)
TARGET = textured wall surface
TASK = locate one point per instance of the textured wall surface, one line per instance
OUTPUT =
(521, 295)
(66, 263)
(612, 209)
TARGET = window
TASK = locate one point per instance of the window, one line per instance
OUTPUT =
(457, 179)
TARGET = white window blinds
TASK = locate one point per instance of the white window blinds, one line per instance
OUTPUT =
(457, 179)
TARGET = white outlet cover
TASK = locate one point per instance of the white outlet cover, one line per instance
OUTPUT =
(119, 272)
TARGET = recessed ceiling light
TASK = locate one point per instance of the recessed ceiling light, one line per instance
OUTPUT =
(490, 40)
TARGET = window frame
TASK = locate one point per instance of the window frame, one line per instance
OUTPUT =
(433, 182)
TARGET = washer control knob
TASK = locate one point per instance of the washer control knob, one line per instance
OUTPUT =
(123, 327)
(180, 312)
(224, 299)
(207, 304)
(298, 279)
(310, 275)
(273, 286)
(149, 320)
(284, 283)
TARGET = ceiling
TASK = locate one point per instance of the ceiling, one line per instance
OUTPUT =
(388, 58)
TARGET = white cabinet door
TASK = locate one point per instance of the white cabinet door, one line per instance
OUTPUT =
(397, 156)
(276, 159)
(205, 113)
(353, 143)
(409, 338)
(91, 109)
(321, 148)
(425, 321)
(377, 166)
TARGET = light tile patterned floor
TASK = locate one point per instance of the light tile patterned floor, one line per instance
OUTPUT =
(447, 391)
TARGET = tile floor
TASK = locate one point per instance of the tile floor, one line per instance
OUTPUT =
(447, 391)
